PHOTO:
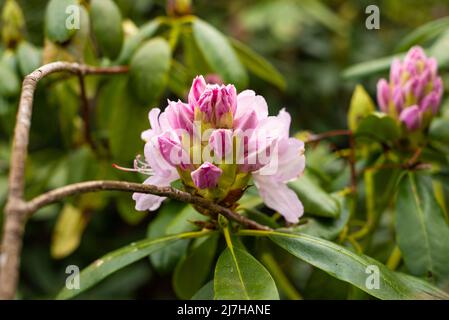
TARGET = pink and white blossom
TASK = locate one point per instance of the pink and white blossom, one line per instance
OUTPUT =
(217, 142)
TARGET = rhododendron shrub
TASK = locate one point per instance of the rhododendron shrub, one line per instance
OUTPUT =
(215, 189)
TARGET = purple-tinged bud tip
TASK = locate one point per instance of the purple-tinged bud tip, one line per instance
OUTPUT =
(206, 176)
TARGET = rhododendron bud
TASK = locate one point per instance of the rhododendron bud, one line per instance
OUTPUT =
(216, 106)
(221, 143)
(414, 84)
(180, 115)
(216, 143)
(206, 176)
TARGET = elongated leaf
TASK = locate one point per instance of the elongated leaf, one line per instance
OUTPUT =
(124, 138)
(361, 106)
(239, 276)
(422, 232)
(378, 126)
(315, 200)
(219, 54)
(370, 67)
(359, 270)
(149, 70)
(440, 48)
(439, 130)
(132, 43)
(424, 33)
(258, 65)
(165, 260)
(326, 228)
(120, 258)
(29, 57)
(67, 232)
(56, 16)
(185, 282)
(107, 26)
(206, 292)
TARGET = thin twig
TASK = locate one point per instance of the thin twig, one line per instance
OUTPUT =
(169, 192)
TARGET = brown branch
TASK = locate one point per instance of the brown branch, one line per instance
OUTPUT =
(16, 207)
(169, 192)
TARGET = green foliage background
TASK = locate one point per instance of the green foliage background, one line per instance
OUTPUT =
(315, 46)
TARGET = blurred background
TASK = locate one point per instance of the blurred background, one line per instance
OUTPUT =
(310, 42)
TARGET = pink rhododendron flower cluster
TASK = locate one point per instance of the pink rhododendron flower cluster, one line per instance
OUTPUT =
(216, 143)
(414, 92)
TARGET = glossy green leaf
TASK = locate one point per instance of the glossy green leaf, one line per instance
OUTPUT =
(315, 200)
(258, 65)
(57, 13)
(423, 33)
(124, 139)
(9, 81)
(184, 220)
(121, 258)
(370, 67)
(193, 57)
(192, 272)
(422, 231)
(361, 106)
(378, 126)
(439, 130)
(219, 54)
(326, 228)
(440, 48)
(107, 27)
(206, 292)
(165, 260)
(29, 57)
(239, 276)
(149, 70)
(132, 43)
(358, 270)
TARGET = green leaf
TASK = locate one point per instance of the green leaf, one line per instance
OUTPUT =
(239, 276)
(315, 200)
(378, 126)
(56, 17)
(149, 70)
(9, 81)
(165, 260)
(125, 207)
(67, 232)
(132, 43)
(439, 130)
(422, 232)
(107, 26)
(29, 57)
(124, 139)
(193, 57)
(258, 64)
(185, 282)
(440, 48)
(206, 292)
(121, 258)
(219, 54)
(327, 228)
(370, 67)
(183, 221)
(423, 33)
(361, 106)
(356, 269)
